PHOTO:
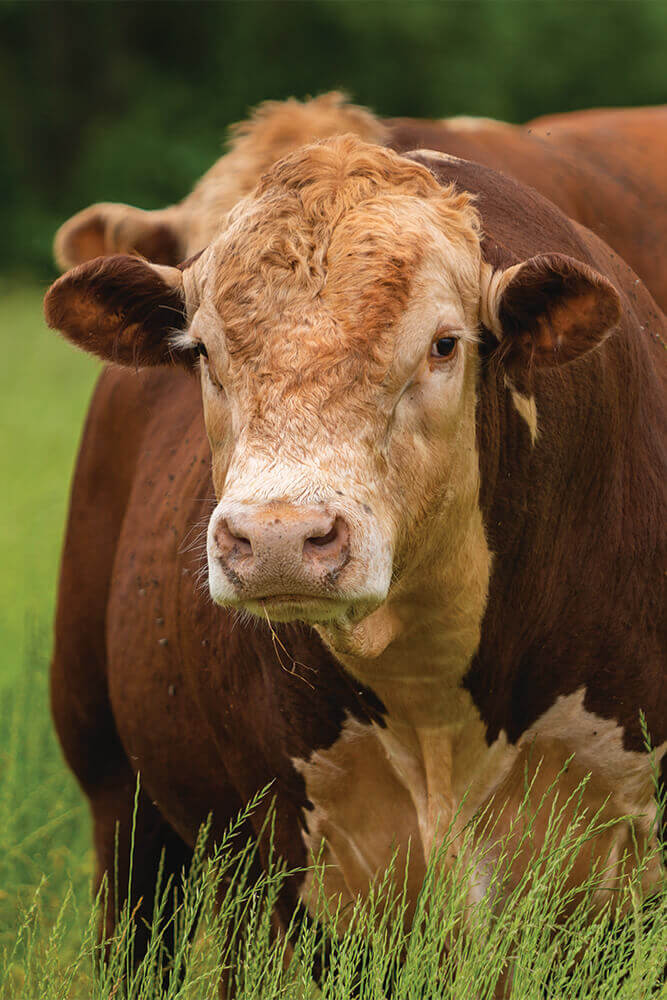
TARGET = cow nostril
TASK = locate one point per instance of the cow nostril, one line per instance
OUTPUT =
(329, 545)
(322, 540)
(230, 544)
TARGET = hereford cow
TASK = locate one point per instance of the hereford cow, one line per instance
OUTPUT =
(606, 169)
(420, 412)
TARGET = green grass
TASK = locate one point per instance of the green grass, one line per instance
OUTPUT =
(556, 943)
(44, 389)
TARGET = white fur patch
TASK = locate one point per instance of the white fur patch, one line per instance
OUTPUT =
(182, 340)
(526, 407)
(598, 744)
(434, 154)
(378, 791)
(362, 813)
(469, 123)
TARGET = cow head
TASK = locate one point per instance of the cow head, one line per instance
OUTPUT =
(334, 326)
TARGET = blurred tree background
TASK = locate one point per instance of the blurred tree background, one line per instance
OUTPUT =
(128, 101)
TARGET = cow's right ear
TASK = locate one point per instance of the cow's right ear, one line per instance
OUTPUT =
(107, 228)
(547, 310)
(123, 309)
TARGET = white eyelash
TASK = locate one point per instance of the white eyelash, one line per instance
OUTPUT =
(182, 340)
(470, 336)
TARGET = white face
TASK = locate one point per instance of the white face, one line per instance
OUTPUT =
(343, 448)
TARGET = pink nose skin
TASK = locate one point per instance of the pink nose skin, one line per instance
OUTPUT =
(282, 549)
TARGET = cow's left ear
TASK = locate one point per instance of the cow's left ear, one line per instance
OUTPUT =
(548, 310)
(122, 309)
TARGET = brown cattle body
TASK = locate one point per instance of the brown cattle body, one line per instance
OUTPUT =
(569, 460)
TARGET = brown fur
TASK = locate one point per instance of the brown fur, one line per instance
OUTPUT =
(122, 299)
(604, 169)
(553, 310)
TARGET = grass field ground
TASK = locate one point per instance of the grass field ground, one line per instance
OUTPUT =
(44, 830)
(47, 922)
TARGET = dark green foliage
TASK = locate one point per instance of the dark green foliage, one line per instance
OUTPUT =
(128, 101)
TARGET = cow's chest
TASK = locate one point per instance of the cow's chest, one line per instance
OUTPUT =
(361, 816)
(381, 795)
(388, 796)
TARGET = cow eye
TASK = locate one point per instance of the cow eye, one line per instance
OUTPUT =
(444, 347)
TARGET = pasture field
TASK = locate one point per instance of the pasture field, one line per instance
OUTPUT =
(558, 947)
(44, 829)
(44, 391)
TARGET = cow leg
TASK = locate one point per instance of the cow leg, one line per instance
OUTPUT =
(133, 843)
(94, 752)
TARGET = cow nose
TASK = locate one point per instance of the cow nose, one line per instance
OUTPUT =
(263, 545)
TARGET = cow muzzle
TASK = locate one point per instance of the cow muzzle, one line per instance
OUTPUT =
(285, 558)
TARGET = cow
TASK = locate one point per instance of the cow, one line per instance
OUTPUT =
(605, 168)
(418, 417)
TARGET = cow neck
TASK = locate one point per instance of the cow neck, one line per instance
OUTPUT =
(432, 734)
(430, 629)
(570, 519)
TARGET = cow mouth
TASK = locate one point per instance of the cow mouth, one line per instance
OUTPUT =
(298, 607)
(316, 610)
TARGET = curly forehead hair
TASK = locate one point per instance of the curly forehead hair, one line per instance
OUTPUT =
(333, 235)
(334, 175)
